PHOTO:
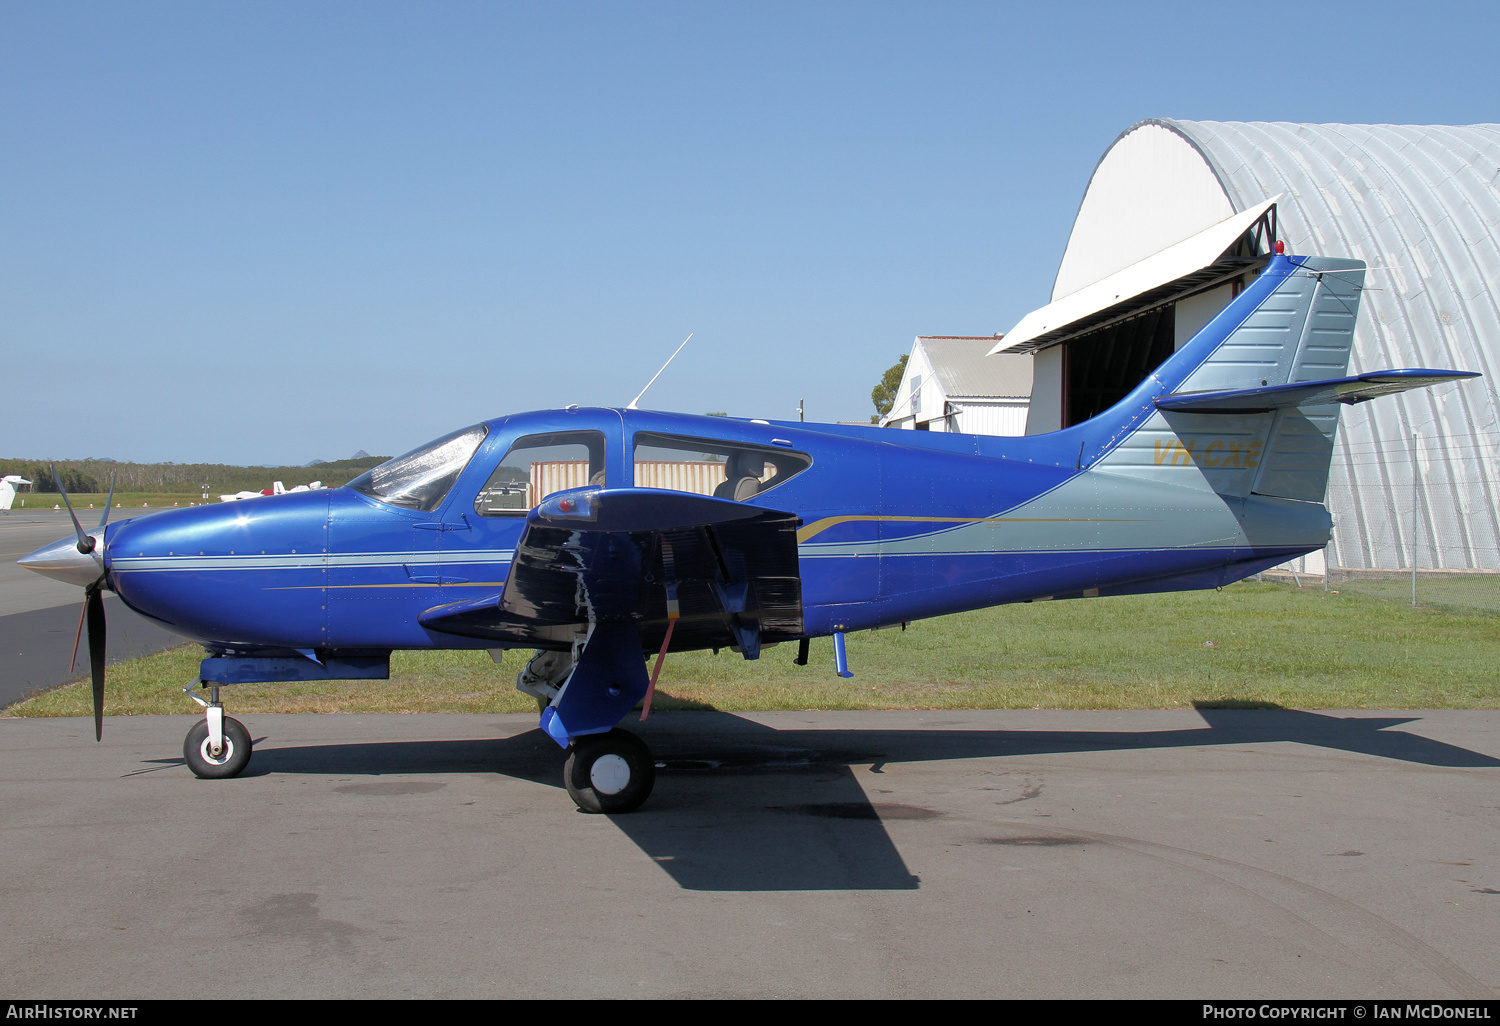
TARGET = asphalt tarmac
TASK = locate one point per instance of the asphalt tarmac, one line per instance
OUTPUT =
(39, 616)
(1209, 854)
(24, 531)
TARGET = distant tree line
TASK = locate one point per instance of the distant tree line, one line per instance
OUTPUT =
(180, 478)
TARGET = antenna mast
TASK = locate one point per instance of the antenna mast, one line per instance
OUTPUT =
(637, 399)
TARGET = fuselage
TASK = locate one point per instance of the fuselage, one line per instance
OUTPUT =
(896, 526)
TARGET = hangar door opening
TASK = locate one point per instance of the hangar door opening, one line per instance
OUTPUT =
(1092, 347)
(1101, 367)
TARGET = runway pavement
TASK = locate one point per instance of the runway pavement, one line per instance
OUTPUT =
(39, 616)
(21, 532)
(1229, 854)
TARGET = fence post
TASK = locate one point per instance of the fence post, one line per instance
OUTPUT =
(1416, 513)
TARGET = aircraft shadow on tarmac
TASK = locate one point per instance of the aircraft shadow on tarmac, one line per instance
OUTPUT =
(740, 806)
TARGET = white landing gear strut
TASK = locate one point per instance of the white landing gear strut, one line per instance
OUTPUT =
(218, 746)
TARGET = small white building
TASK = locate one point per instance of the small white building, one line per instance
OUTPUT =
(951, 385)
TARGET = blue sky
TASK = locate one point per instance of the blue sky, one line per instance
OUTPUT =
(266, 233)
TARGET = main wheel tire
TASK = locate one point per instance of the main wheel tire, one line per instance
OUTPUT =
(230, 762)
(609, 773)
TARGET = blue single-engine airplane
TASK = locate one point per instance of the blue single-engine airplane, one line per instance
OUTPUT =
(600, 536)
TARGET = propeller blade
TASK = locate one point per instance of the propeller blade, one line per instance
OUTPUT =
(95, 605)
(82, 611)
(109, 501)
(85, 543)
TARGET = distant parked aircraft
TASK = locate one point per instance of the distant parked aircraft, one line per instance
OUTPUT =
(8, 489)
(277, 488)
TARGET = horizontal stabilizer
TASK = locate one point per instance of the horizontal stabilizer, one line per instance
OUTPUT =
(1357, 389)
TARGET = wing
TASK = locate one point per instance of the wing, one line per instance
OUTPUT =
(593, 556)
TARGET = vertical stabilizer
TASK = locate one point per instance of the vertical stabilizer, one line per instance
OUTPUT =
(8, 485)
(1296, 324)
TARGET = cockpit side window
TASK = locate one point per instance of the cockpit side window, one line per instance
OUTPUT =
(728, 470)
(420, 480)
(538, 465)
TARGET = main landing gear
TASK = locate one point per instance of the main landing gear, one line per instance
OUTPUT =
(217, 746)
(610, 773)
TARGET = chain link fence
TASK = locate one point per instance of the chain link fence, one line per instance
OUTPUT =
(1430, 536)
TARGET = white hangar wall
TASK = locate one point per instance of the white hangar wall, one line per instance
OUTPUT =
(1421, 206)
(1149, 191)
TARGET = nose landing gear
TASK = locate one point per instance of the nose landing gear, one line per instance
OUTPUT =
(218, 746)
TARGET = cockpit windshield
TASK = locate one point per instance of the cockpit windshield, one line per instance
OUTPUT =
(421, 479)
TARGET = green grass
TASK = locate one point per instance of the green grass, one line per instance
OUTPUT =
(127, 501)
(1250, 644)
(177, 479)
(1455, 592)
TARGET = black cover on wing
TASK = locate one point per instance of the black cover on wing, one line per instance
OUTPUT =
(596, 555)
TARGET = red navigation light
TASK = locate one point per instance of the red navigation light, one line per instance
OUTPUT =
(565, 505)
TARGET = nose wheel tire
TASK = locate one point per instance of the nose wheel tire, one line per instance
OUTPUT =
(229, 761)
(609, 773)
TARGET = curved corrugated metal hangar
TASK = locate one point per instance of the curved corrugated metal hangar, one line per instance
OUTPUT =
(1179, 215)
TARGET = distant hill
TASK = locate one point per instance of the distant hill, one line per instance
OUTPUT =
(182, 478)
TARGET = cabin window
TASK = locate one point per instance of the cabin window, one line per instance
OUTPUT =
(420, 480)
(728, 470)
(538, 465)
